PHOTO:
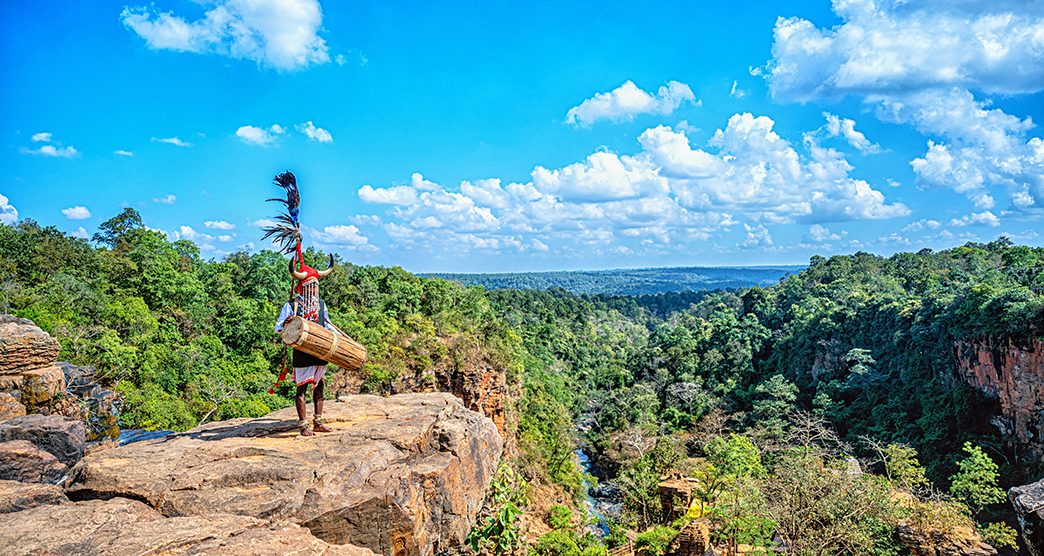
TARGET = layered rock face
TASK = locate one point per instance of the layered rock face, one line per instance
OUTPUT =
(121, 527)
(402, 475)
(32, 381)
(1014, 374)
(1028, 501)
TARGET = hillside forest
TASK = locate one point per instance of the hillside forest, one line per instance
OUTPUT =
(819, 413)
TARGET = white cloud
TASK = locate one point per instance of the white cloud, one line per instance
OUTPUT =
(121, 152)
(253, 135)
(176, 141)
(187, 232)
(837, 126)
(626, 101)
(315, 133)
(757, 236)
(736, 92)
(923, 224)
(226, 237)
(398, 195)
(8, 214)
(282, 34)
(77, 212)
(819, 233)
(81, 233)
(919, 63)
(42, 137)
(658, 199)
(167, 199)
(984, 218)
(263, 223)
(53, 151)
(343, 236)
(219, 225)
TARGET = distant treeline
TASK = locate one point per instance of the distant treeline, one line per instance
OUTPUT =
(639, 281)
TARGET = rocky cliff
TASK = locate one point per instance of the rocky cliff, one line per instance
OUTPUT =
(32, 381)
(1014, 375)
(402, 475)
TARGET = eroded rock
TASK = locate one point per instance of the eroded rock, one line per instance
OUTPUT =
(962, 542)
(16, 496)
(56, 434)
(40, 386)
(24, 346)
(1028, 501)
(21, 460)
(121, 527)
(401, 475)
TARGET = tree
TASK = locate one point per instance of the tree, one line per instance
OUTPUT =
(112, 230)
(975, 482)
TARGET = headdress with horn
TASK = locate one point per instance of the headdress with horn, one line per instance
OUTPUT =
(306, 274)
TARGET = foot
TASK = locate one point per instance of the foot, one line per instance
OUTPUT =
(307, 432)
(322, 428)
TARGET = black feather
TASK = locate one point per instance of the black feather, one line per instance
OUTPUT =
(287, 232)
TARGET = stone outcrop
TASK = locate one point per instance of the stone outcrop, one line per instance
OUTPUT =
(693, 540)
(401, 475)
(1014, 375)
(122, 527)
(20, 460)
(64, 438)
(24, 346)
(963, 542)
(1028, 501)
(33, 382)
(16, 496)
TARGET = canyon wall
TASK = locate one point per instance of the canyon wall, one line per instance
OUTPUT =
(1012, 373)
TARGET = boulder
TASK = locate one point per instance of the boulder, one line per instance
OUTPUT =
(40, 386)
(402, 475)
(20, 460)
(121, 527)
(962, 542)
(10, 406)
(16, 496)
(1028, 501)
(24, 346)
(56, 434)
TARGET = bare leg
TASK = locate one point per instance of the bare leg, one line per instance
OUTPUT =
(302, 407)
(317, 400)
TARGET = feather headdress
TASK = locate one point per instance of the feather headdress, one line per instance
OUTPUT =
(287, 230)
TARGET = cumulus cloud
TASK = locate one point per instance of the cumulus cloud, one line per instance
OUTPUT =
(837, 126)
(342, 235)
(53, 151)
(923, 224)
(253, 135)
(77, 212)
(315, 133)
(42, 137)
(281, 34)
(187, 232)
(984, 218)
(176, 141)
(219, 225)
(627, 101)
(167, 199)
(819, 233)
(757, 236)
(659, 198)
(121, 152)
(81, 233)
(736, 92)
(8, 214)
(922, 63)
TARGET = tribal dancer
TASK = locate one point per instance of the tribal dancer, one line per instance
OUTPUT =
(304, 303)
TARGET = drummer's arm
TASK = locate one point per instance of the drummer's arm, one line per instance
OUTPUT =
(284, 315)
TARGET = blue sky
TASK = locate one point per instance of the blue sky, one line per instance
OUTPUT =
(492, 137)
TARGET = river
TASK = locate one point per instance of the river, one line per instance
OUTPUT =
(601, 502)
